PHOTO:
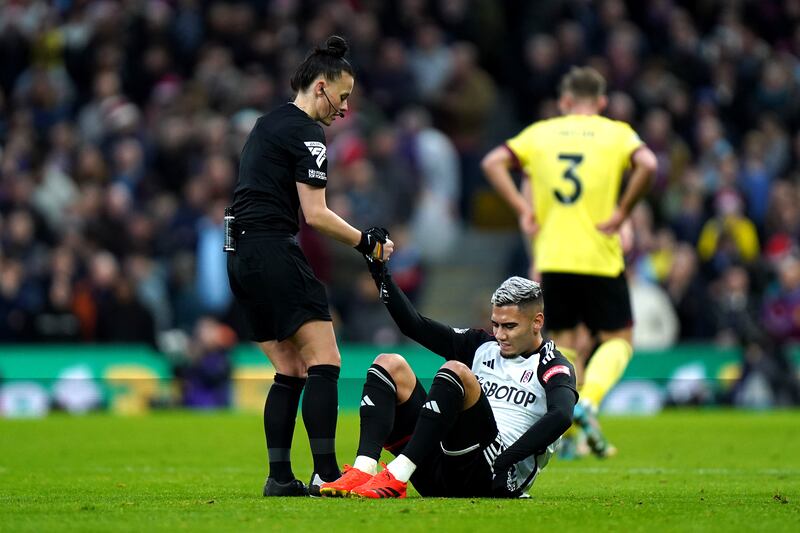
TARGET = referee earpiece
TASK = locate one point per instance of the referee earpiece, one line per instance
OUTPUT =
(336, 111)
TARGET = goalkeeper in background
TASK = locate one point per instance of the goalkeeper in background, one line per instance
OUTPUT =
(575, 207)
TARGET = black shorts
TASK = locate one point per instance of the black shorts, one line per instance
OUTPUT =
(273, 282)
(458, 467)
(601, 303)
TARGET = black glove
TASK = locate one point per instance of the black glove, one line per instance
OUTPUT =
(504, 483)
(377, 269)
(372, 241)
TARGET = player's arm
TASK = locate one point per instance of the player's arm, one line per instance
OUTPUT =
(558, 378)
(441, 339)
(497, 165)
(644, 165)
(527, 222)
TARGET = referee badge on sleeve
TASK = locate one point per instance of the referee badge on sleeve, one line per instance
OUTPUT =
(318, 150)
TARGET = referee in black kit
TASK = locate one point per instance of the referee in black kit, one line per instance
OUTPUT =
(283, 167)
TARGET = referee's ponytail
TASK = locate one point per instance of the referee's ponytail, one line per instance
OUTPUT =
(328, 61)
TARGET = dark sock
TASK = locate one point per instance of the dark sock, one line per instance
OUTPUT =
(280, 413)
(378, 404)
(320, 409)
(442, 406)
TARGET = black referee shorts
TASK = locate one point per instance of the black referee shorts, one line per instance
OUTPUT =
(273, 282)
(601, 303)
(458, 467)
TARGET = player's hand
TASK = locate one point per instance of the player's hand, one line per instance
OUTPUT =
(377, 269)
(387, 250)
(375, 243)
(528, 224)
(612, 225)
(504, 483)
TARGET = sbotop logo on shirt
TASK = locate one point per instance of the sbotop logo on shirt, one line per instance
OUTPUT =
(509, 393)
(317, 149)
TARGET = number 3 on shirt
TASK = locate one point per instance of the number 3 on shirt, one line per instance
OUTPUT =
(573, 161)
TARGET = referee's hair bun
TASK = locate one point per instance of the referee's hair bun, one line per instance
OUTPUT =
(335, 46)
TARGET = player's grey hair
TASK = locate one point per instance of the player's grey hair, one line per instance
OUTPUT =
(517, 291)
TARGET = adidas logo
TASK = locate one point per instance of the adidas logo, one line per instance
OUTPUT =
(366, 401)
(489, 363)
(433, 406)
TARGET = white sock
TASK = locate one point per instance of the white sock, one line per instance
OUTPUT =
(401, 468)
(366, 464)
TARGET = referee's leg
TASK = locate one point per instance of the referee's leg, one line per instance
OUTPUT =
(315, 343)
(280, 414)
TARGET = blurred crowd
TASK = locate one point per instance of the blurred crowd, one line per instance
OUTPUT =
(121, 123)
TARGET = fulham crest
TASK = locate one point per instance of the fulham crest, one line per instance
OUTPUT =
(317, 149)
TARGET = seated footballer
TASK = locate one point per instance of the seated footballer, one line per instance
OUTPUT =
(492, 418)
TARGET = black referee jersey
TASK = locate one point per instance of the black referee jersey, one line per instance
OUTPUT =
(285, 146)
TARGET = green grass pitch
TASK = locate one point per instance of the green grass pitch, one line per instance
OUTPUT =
(679, 471)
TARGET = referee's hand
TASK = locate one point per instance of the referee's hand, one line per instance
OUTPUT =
(375, 243)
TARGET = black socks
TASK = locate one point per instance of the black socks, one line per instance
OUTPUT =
(320, 410)
(445, 401)
(280, 413)
(378, 405)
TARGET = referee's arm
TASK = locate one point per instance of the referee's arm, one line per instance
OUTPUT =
(321, 218)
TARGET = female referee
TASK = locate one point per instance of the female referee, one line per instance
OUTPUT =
(283, 167)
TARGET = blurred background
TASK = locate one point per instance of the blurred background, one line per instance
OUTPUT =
(121, 124)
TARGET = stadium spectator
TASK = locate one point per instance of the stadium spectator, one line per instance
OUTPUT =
(122, 318)
(687, 293)
(728, 238)
(431, 62)
(435, 223)
(204, 377)
(463, 111)
(656, 326)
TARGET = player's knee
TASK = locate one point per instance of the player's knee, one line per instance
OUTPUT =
(394, 363)
(460, 369)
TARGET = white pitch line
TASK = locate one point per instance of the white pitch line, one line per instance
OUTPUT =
(673, 471)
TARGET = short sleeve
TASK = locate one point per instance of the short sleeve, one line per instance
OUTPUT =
(311, 164)
(523, 145)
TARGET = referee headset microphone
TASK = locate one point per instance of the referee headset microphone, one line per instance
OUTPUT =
(336, 111)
